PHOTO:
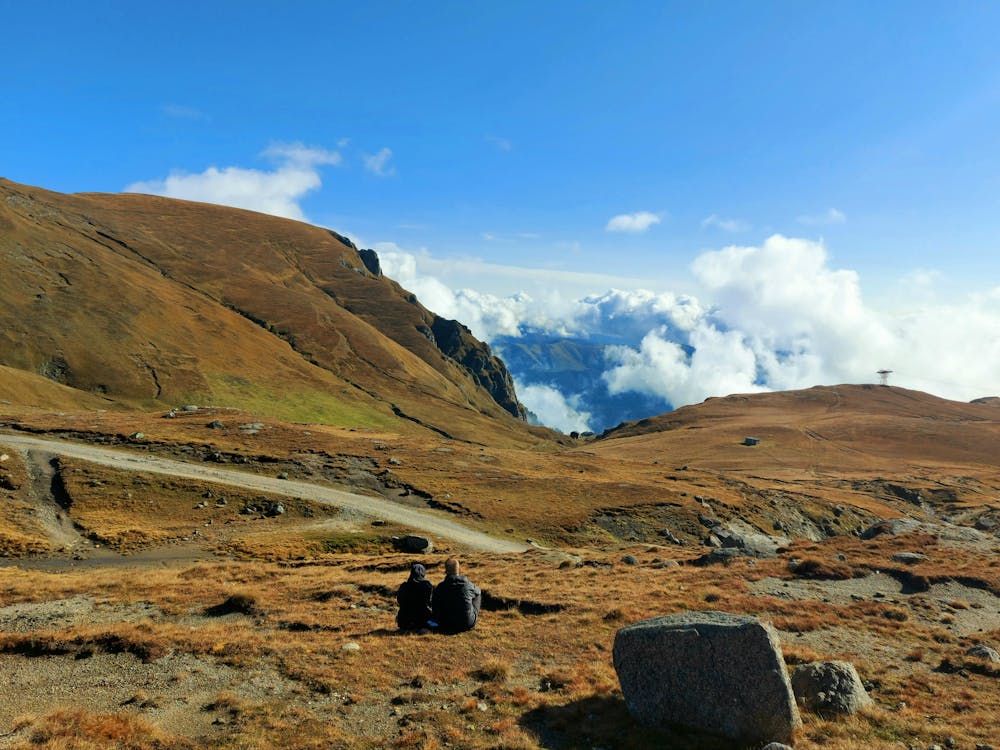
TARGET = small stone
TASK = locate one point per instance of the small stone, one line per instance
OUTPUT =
(190, 407)
(776, 746)
(215, 424)
(982, 651)
(137, 436)
(351, 646)
(908, 558)
(484, 707)
(630, 560)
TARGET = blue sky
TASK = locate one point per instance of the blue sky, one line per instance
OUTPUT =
(478, 136)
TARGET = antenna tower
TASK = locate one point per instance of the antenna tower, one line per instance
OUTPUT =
(883, 376)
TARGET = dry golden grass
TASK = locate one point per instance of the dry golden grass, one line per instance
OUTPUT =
(514, 680)
(537, 670)
(21, 533)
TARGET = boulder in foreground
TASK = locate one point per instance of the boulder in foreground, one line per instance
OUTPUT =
(712, 672)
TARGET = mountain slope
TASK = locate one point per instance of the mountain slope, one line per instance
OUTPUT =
(156, 301)
(832, 428)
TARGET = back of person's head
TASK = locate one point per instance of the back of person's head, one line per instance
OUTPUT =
(417, 571)
(451, 566)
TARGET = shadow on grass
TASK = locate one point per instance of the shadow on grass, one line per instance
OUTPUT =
(604, 722)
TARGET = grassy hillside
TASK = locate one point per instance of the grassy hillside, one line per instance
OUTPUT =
(151, 301)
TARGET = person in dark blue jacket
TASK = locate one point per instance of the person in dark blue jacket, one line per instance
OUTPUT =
(456, 600)
(414, 599)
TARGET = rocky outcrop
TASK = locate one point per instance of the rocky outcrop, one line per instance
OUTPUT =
(457, 342)
(830, 687)
(712, 672)
(370, 259)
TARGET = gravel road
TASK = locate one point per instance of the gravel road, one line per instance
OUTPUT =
(422, 520)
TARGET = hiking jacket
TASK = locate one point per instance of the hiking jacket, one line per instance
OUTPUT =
(456, 604)
(414, 599)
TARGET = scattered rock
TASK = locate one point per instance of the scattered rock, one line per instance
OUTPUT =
(982, 651)
(413, 544)
(189, 407)
(749, 541)
(669, 536)
(137, 436)
(986, 523)
(630, 560)
(656, 660)
(776, 746)
(830, 687)
(908, 558)
(351, 646)
(275, 509)
(215, 424)
(890, 526)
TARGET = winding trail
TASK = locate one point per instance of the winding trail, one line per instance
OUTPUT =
(423, 520)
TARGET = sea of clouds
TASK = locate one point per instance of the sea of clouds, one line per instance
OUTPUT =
(769, 317)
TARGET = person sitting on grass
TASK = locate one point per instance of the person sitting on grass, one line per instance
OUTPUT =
(414, 599)
(456, 600)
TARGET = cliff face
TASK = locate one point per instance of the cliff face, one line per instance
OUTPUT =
(157, 300)
(458, 343)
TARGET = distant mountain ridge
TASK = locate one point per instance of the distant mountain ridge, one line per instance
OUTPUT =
(150, 300)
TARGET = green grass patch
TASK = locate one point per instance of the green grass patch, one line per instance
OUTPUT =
(297, 405)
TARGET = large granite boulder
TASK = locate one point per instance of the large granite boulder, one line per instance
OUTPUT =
(712, 672)
(830, 687)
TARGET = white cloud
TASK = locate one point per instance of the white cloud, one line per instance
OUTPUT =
(552, 408)
(634, 223)
(721, 363)
(276, 192)
(378, 164)
(726, 225)
(774, 316)
(830, 216)
(300, 154)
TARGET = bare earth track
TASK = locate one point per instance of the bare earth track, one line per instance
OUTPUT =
(376, 507)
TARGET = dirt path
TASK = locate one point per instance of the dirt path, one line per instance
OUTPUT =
(51, 503)
(423, 520)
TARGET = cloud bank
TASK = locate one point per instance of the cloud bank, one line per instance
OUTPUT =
(774, 316)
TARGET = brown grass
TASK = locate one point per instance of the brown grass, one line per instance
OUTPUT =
(536, 675)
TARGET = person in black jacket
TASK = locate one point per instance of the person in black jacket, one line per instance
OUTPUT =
(456, 600)
(414, 599)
